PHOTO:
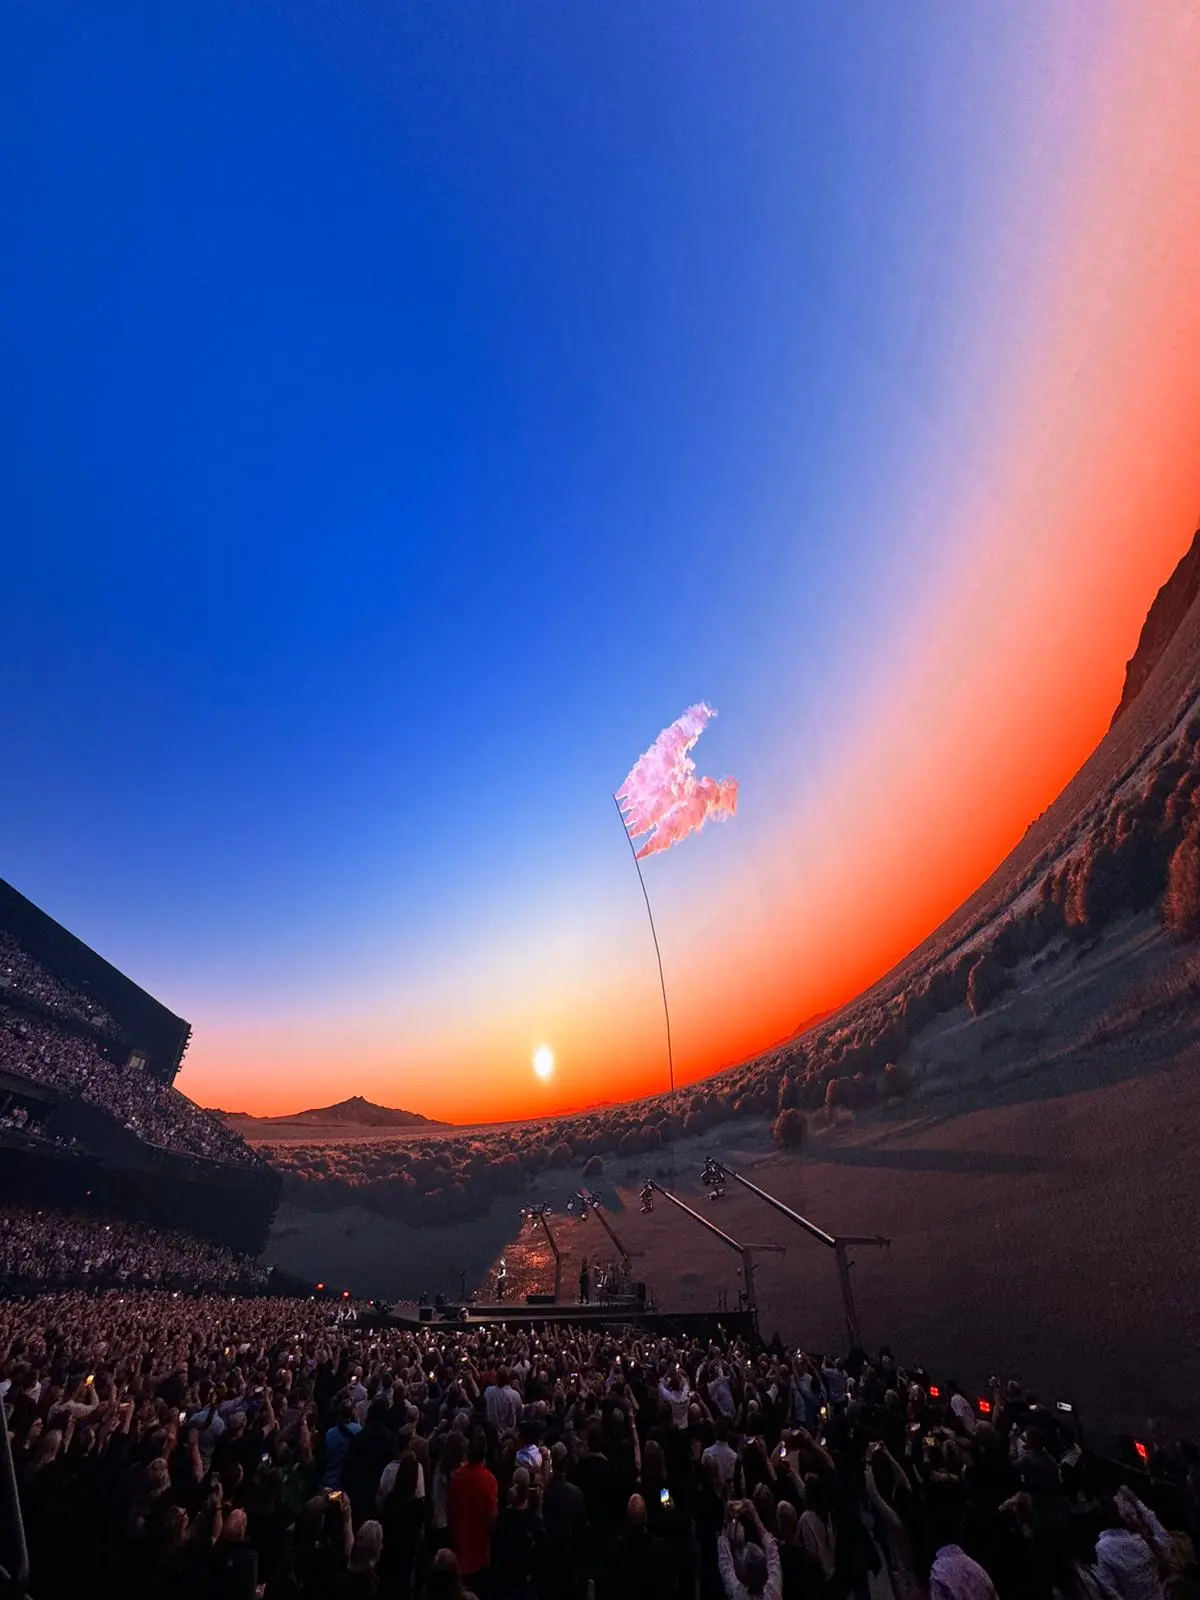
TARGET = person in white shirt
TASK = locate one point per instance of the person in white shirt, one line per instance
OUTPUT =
(503, 1404)
(723, 1458)
(833, 1376)
(720, 1393)
(387, 1481)
(962, 1410)
(676, 1391)
(954, 1576)
(80, 1405)
(817, 1532)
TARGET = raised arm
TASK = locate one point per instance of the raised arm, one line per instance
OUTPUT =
(729, 1577)
(880, 1505)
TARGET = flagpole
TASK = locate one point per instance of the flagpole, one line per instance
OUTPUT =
(654, 936)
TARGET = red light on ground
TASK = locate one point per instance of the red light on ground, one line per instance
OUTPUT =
(934, 1392)
(1141, 1449)
(985, 1408)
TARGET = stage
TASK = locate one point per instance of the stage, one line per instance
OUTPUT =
(703, 1325)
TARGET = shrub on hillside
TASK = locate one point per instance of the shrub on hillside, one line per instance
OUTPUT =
(791, 1129)
(594, 1167)
(896, 1082)
(986, 981)
(1181, 903)
(812, 1095)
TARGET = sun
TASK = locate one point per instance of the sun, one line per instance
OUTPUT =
(543, 1061)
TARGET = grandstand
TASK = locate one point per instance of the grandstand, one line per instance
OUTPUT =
(88, 1109)
(47, 970)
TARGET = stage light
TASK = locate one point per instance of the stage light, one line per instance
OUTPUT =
(583, 1201)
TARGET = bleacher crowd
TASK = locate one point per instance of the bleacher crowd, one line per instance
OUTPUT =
(21, 975)
(36, 1050)
(218, 1448)
(43, 1248)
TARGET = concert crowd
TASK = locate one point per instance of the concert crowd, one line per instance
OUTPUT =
(225, 1448)
(50, 1249)
(37, 1051)
(20, 974)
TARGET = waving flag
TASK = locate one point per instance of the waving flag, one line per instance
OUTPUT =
(662, 800)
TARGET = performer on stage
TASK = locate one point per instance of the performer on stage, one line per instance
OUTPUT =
(584, 1283)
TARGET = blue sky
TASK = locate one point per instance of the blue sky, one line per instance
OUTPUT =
(410, 410)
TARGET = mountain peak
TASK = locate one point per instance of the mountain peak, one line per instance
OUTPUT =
(357, 1111)
(1170, 606)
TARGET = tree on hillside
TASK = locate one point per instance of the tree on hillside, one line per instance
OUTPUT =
(896, 1082)
(791, 1129)
(986, 981)
(1181, 903)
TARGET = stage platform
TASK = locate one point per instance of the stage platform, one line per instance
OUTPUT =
(702, 1325)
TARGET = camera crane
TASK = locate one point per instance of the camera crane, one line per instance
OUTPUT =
(716, 1174)
(537, 1216)
(746, 1251)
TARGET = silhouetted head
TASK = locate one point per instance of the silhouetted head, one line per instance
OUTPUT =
(654, 1465)
(368, 1546)
(234, 1527)
(754, 1570)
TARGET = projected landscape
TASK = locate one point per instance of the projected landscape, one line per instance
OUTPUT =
(441, 441)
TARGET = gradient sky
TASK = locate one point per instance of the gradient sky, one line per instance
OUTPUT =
(409, 410)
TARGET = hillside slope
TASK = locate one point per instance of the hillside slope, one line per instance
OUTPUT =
(1163, 621)
(1104, 848)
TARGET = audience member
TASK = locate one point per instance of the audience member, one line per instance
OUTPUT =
(206, 1445)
